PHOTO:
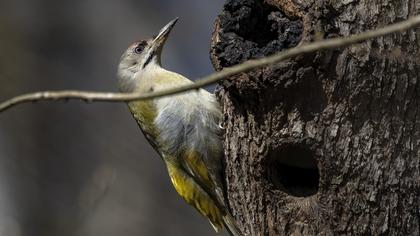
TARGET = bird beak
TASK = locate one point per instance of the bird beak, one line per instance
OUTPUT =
(155, 48)
(160, 39)
(164, 32)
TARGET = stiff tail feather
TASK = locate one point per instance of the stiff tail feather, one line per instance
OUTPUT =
(231, 226)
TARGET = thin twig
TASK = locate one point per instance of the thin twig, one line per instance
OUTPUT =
(217, 76)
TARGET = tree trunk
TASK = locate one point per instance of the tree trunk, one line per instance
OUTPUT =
(326, 143)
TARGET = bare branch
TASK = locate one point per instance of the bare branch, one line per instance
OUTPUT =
(217, 76)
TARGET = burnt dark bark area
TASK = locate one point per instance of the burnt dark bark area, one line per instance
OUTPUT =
(326, 143)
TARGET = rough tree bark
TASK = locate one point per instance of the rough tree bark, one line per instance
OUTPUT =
(327, 143)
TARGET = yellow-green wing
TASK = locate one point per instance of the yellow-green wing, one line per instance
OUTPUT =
(193, 162)
(195, 195)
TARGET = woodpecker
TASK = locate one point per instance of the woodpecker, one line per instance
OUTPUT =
(184, 129)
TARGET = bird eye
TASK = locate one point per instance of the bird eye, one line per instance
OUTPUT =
(139, 49)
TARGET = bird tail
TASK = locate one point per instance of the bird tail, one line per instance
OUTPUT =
(231, 226)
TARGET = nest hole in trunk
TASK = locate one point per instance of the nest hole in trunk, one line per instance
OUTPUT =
(293, 169)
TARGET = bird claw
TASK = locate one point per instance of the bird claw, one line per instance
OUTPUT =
(221, 125)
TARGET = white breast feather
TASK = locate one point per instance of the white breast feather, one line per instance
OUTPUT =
(189, 121)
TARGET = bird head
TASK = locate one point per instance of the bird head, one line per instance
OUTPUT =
(141, 56)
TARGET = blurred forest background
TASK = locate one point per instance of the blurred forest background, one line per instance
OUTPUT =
(85, 169)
